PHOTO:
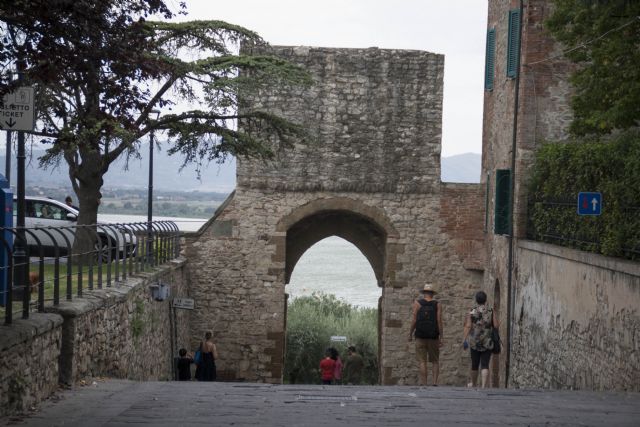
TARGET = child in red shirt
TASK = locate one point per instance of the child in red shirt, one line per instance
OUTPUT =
(327, 366)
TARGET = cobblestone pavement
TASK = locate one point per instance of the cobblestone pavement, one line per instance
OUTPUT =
(123, 403)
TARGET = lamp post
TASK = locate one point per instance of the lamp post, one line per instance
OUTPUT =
(150, 254)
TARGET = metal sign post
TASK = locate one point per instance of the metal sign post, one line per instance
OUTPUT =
(17, 113)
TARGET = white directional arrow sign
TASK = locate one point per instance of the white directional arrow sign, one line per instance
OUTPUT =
(17, 111)
(589, 203)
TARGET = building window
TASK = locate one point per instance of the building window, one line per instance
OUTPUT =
(513, 43)
(503, 202)
(489, 65)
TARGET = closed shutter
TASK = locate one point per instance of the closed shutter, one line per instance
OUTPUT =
(490, 60)
(503, 202)
(513, 43)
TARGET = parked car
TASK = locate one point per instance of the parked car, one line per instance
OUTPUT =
(42, 212)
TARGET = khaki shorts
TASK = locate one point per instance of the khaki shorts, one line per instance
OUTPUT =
(427, 349)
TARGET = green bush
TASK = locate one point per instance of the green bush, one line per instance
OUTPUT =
(311, 321)
(611, 167)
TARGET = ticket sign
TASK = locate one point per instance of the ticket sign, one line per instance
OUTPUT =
(17, 111)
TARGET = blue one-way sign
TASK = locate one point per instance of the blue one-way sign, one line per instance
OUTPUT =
(589, 203)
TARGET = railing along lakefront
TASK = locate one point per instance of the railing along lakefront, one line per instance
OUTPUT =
(38, 263)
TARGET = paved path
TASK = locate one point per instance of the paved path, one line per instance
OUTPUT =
(123, 403)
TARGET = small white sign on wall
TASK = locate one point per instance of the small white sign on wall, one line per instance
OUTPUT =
(186, 303)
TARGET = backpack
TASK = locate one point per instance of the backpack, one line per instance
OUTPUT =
(426, 320)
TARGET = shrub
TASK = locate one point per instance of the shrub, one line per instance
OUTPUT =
(611, 167)
(311, 321)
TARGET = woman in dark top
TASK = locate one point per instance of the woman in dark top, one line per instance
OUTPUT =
(209, 357)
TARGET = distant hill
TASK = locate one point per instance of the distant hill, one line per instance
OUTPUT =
(167, 174)
(462, 168)
(214, 177)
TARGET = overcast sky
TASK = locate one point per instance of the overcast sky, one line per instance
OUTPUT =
(455, 28)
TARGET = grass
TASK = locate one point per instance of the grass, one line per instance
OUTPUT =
(76, 279)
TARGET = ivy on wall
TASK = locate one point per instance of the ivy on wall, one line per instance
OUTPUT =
(610, 166)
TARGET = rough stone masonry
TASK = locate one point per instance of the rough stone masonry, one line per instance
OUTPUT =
(369, 172)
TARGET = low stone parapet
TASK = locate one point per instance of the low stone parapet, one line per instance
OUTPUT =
(121, 332)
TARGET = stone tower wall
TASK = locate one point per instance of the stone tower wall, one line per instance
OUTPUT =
(372, 160)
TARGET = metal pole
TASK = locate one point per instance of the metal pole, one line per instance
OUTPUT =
(514, 147)
(150, 203)
(21, 278)
(150, 255)
(7, 167)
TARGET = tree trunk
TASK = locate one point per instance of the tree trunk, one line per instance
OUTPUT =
(88, 184)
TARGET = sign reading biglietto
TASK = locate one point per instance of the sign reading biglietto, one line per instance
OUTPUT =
(17, 110)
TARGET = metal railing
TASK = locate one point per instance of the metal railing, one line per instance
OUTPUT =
(561, 225)
(49, 266)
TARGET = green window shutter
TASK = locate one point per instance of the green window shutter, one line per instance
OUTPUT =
(487, 190)
(513, 43)
(490, 63)
(503, 203)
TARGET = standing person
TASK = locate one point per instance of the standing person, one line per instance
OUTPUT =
(337, 372)
(184, 365)
(69, 201)
(477, 335)
(353, 367)
(209, 357)
(327, 367)
(427, 325)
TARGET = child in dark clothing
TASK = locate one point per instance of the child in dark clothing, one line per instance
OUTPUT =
(184, 365)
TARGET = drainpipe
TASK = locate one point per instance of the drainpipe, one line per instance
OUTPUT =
(510, 292)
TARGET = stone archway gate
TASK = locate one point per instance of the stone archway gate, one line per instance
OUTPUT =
(370, 173)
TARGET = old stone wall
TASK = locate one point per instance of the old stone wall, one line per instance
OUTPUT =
(369, 172)
(119, 332)
(373, 116)
(122, 332)
(29, 351)
(238, 279)
(577, 320)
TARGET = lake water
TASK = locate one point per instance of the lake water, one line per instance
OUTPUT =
(332, 266)
(335, 266)
(184, 224)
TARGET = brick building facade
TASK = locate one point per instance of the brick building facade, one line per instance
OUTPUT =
(566, 314)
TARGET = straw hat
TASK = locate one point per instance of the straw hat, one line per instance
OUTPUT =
(429, 287)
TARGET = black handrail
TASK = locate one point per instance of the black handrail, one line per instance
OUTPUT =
(125, 240)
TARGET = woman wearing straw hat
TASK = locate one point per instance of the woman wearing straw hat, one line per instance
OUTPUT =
(427, 325)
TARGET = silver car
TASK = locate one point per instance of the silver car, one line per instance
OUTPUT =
(42, 212)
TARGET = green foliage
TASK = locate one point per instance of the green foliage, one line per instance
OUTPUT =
(311, 321)
(101, 68)
(606, 37)
(610, 166)
(137, 321)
